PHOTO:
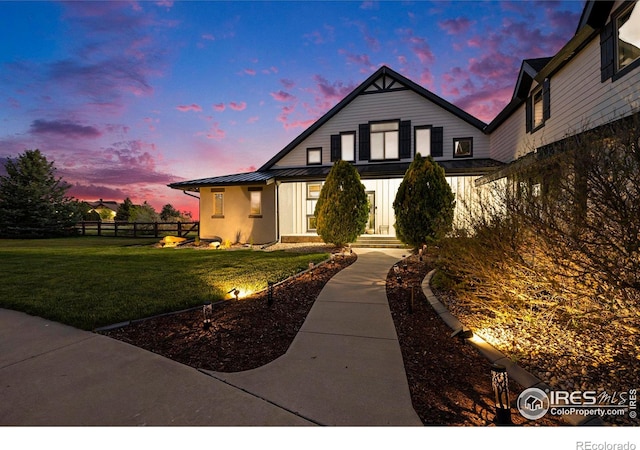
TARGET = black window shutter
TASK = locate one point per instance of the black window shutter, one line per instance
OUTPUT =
(546, 99)
(437, 141)
(607, 50)
(365, 142)
(405, 139)
(529, 114)
(336, 147)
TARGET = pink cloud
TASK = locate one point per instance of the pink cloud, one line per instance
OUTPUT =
(208, 37)
(250, 72)
(459, 25)
(64, 128)
(191, 107)
(253, 119)
(288, 84)
(219, 107)
(282, 96)
(362, 61)
(419, 46)
(238, 106)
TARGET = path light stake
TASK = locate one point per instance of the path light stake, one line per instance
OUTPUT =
(235, 292)
(396, 270)
(500, 384)
(270, 293)
(420, 254)
(207, 312)
(311, 267)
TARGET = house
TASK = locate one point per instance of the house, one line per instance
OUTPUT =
(379, 127)
(106, 209)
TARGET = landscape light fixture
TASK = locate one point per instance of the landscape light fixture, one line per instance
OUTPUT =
(311, 267)
(207, 312)
(270, 293)
(235, 292)
(500, 384)
(396, 270)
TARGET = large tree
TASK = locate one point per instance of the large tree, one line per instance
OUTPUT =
(33, 201)
(424, 203)
(342, 209)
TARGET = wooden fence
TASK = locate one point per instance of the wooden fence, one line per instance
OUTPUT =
(138, 229)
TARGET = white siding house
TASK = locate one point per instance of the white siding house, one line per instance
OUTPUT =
(380, 126)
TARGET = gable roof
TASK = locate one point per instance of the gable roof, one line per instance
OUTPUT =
(594, 16)
(393, 75)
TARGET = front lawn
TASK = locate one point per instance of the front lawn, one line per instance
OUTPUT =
(89, 282)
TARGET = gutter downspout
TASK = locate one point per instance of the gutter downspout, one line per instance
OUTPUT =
(190, 195)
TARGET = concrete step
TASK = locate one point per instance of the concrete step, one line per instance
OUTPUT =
(378, 242)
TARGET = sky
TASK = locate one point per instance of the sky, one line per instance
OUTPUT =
(126, 97)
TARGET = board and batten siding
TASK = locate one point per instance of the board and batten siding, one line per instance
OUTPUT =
(294, 207)
(579, 101)
(394, 105)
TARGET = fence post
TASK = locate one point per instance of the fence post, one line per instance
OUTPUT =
(179, 228)
(135, 229)
(115, 229)
(155, 229)
(99, 228)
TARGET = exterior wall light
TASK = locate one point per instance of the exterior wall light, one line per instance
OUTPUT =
(500, 384)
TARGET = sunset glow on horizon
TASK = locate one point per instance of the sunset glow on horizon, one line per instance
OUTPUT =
(127, 97)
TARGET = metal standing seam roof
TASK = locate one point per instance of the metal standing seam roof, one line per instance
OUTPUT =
(366, 171)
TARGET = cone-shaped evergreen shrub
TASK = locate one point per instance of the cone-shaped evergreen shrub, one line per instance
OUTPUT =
(342, 209)
(424, 203)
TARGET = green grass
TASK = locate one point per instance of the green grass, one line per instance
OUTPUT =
(89, 282)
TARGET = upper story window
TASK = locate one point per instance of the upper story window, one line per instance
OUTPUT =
(538, 107)
(385, 140)
(313, 190)
(620, 43)
(462, 147)
(422, 137)
(348, 144)
(628, 37)
(343, 146)
(314, 156)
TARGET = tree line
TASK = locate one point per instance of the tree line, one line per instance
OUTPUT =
(34, 202)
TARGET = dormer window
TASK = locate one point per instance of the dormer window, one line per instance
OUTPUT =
(538, 107)
(620, 43)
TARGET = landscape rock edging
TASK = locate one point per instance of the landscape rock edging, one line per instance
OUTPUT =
(494, 356)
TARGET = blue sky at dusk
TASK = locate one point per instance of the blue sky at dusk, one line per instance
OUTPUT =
(126, 97)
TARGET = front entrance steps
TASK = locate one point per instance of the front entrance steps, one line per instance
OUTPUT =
(364, 241)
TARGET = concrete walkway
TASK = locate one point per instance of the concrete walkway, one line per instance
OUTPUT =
(343, 368)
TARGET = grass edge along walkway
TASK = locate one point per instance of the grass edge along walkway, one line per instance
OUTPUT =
(89, 282)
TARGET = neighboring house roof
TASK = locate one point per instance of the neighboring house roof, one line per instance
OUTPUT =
(368, 171)
(104, 204)
(384, 70)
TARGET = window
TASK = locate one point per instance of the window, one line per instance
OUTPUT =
(313, 190)
(311, 223)
(423, 140)
(620, 43)
(218, 202)
(314, 156)
(348, 146)
(628, 37)
(255, 195)
(538, 107)
(462, 147)
(385, 140)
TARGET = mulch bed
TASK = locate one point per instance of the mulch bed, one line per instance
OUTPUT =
(244, 334)
(448, 379)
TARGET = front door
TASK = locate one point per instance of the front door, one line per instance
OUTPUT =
(371, 223)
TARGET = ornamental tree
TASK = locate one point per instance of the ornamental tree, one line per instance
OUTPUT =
(33, 201)
(342, 210)
(424, 203)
